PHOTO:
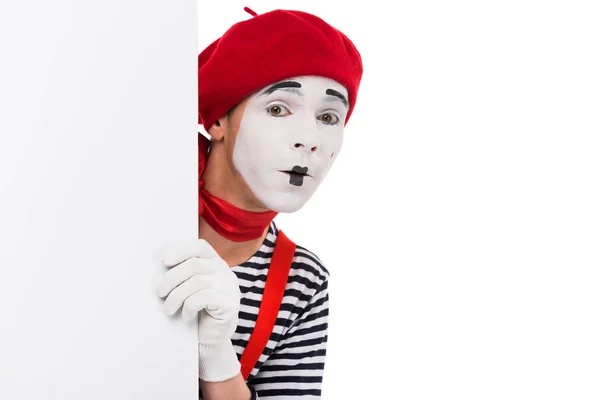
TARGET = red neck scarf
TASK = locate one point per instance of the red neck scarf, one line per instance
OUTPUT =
(226, 219)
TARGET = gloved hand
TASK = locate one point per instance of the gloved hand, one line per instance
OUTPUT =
(202, 282)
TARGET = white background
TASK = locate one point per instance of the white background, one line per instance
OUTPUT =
(461, 221)
(97, 172)
(460, 224)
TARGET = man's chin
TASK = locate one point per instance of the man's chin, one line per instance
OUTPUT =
(287, 209)
(285, 204)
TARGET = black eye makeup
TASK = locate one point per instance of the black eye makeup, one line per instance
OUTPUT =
(291, 86)
(337, 96)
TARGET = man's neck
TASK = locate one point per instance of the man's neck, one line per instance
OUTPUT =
(234, 253)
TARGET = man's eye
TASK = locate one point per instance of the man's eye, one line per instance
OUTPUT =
(328, 118)
(278, 111)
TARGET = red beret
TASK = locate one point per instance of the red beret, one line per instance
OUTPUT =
(268, 48)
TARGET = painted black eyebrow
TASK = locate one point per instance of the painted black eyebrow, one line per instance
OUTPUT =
(331, 92)
(282, 85)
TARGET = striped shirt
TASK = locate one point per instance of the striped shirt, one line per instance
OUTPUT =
(293, 361)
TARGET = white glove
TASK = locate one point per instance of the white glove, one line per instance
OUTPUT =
(202, 282)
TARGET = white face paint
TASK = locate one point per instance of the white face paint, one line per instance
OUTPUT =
(293, 125)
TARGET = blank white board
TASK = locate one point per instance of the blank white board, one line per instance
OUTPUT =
(97, 173)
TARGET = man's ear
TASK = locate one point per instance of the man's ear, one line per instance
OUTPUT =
(217, 130)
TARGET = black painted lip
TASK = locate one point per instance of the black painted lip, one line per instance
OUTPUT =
(298, 170)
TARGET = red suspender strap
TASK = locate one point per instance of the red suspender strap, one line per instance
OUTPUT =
(277, 277)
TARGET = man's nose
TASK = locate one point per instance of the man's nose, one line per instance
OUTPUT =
(307, 141)
(306, 145)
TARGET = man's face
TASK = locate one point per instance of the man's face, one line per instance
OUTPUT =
(289, 136)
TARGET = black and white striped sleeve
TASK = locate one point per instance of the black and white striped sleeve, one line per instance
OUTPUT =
(295, 368)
